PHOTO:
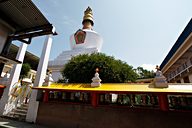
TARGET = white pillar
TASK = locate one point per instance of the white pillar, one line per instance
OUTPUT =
(40, 76)
(14, 76)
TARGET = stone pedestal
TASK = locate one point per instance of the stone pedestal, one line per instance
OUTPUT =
(160, 80)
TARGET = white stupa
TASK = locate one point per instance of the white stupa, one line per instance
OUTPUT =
(84, 41)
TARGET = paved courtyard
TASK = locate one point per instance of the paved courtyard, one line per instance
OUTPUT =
(8, 123)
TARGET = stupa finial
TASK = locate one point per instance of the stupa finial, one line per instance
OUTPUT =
(96, 80)
(88, 18)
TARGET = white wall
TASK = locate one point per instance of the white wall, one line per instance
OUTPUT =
(56, 75)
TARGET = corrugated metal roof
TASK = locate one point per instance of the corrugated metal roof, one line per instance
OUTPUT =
(21, 14)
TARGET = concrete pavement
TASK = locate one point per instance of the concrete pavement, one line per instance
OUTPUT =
(8, 123)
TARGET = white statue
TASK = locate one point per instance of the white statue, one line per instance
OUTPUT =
(96, 80)
(48, 80)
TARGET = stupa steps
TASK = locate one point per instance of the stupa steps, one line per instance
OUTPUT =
(18, 113)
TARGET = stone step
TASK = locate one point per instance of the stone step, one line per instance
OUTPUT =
(26, 105)
(23, 107)
(17, 116)
(17, 113)
(20, 118)
(9, 117)
(24, 111)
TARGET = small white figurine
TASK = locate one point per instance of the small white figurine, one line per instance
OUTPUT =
(96, 80)
(48, 80)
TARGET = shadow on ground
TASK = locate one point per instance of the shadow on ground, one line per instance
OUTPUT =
(9, 123)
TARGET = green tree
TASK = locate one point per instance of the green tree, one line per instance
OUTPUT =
(81, 69)
(143, 73)
(24, 70)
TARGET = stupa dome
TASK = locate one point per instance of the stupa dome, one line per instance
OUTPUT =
(86, 37)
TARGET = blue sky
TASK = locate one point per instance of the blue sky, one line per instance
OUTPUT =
(136, 31)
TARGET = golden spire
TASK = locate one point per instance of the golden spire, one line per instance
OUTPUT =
(88, 17)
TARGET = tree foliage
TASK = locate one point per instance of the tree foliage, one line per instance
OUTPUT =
(143, 73)
(81, 69)
(25, 70)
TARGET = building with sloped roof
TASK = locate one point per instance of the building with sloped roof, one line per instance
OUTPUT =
(177, 65)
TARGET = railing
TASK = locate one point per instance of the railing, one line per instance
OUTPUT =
(180, 102)
(129, 100)
(161, 101)
(180, 72)
(70, 97)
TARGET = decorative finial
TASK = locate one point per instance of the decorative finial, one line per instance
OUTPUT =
(97, 70)
(96, 80)
(157, 67)
(160, 80)
(88, 17)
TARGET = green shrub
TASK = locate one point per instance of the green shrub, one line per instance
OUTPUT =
(81, 69)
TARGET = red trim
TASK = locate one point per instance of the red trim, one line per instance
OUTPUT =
(94, 100)
(163, 102)
(46, 96)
